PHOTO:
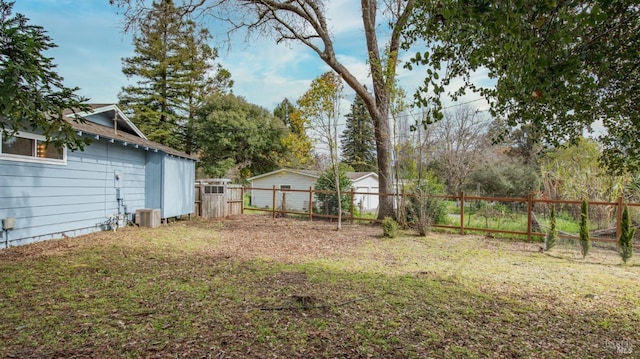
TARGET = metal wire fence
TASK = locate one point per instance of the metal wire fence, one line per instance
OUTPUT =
(525, 218)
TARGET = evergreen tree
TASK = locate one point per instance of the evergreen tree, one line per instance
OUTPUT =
(194, 81)
(171, 67)
(327, 182)
(552, 236)
(358, 139)
(32, 95)
(585, 241)
(626, 236)
(283, 111)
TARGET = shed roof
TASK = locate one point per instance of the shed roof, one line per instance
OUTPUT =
(356, 176)
(305, 173)
(353, 176)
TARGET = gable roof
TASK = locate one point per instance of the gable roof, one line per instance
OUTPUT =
(353, 176)
(357, 176)
(123, 131)
(121, 120)
(305, 173)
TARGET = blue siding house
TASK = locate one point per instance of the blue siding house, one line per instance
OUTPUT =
(47, 194)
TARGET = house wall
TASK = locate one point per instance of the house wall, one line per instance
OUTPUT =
(368, 184)
(52, 201)
(153, 180)
(178, 190)
(296, 201)
(170, 184)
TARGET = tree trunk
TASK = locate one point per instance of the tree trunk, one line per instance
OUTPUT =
(385, 174)
(336, 177)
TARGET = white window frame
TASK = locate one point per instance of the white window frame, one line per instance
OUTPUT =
(32, 159)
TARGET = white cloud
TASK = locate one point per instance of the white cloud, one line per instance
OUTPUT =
(265, 73)
(344, 16)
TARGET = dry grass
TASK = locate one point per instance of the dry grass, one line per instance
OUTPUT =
(254, 287)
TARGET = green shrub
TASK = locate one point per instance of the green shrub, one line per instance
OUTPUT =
(585, 240)
(552, 235)
(390, 227)
(626, 237)
(424, 209)
(327, 182)
(420, 210)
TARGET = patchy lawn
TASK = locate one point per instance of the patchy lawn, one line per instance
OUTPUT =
(254, 287)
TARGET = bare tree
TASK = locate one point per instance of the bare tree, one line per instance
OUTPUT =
(305, 21)
(458, 143)
(320, 105)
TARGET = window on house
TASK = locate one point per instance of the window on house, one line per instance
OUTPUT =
(31, 148)
(285, 187)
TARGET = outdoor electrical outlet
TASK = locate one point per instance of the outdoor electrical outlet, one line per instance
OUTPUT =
(8, 223)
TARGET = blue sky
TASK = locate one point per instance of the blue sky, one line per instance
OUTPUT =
(91, 45)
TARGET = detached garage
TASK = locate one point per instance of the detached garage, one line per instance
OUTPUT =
(287, 179)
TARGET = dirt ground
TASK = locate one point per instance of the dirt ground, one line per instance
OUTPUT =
(290, 240)
(243, 237)
(206, 288)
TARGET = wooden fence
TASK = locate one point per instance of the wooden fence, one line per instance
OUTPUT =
(533, 228)
(218, 200)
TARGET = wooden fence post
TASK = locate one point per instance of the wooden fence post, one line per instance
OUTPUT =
(200, 193)
(274, 202)
(242, 199)
(529, 212)
(352, 212)
(310, 204)
(462, 213)
(283, 205)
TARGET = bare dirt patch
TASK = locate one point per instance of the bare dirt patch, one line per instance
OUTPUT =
(288, 240)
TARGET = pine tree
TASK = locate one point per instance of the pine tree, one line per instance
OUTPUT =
(327, 182)
(552, 235)
(626, 237)
(194, 82)
(284, 110)
(585, 241)
(32, 94)
(171, 66)
(358, 139)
